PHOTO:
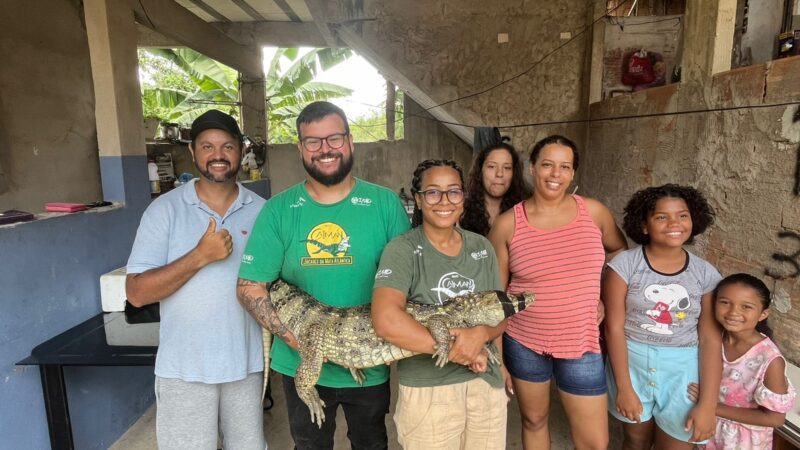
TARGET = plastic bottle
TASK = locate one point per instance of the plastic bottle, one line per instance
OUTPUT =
(152, 172)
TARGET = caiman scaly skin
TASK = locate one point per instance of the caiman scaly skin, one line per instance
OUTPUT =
(345, 336)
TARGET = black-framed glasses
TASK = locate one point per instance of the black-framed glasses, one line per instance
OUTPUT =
(434, 196)
(335, 141)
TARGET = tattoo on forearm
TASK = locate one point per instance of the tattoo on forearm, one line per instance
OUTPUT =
(258, 305)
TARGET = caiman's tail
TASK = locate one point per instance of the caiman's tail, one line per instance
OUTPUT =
(514, 303)
(266, 339)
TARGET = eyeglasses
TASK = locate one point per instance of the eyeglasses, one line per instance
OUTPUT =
(434, 196)
(335, 141)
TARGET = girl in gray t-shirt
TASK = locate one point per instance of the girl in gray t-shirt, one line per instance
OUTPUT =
(659, 324)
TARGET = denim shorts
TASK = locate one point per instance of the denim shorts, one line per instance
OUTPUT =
(659, 376)
(584, 376)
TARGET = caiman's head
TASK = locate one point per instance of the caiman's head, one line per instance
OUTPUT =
(491, 307)
(514, 303)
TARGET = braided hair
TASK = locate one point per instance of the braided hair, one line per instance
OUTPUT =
(416, 182)
(476, 219)
(761, 290)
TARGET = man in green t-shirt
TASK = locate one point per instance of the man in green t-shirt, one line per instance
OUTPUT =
(325, 235)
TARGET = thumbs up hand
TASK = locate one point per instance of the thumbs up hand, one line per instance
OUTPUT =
(214, 245)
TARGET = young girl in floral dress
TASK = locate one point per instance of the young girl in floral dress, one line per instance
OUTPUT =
(755, 394)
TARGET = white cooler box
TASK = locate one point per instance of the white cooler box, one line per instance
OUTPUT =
(112, 290)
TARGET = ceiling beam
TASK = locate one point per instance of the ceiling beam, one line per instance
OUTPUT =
(274, 34)
(176, 22)
(319, 14)
(385, 67)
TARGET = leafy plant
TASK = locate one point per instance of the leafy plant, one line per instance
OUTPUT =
(180, 84)
(289, 90)
(372, 127)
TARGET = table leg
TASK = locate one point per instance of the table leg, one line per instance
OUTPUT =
(56, 407)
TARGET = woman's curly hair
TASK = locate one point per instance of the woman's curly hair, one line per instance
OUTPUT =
(476, 218)
(643, 203)
(416, 183)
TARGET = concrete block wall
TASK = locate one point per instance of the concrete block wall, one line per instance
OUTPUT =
(745, 161)
(450, 49)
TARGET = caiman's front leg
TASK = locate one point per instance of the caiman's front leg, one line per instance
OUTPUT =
(311, 359)
(437, 325)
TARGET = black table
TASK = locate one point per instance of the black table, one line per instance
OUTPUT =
(85, 344)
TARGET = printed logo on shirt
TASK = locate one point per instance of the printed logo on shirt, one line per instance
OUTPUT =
(383, 273)
(361, 201)
(452, 285)
(327, 245)
(247, 259)
(667, 298)
(299, 203)
(480, 254)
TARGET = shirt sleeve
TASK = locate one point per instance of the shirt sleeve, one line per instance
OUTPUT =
(263, 255)
(622, 264)
(398, 222)
(151, 247)
(396, 267)
(780, 403)
(493, 267)
(712, 278)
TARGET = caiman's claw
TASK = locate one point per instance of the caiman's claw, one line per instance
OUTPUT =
(441, 354)
(315, 405)
(357, 375)
(437, 325)
(492, 354)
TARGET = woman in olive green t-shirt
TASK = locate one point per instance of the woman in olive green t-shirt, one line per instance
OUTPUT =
(462, 404)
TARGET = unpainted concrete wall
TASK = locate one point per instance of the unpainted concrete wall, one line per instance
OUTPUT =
(388, 163)
(47, 126)
(745, 161)
(450, 49)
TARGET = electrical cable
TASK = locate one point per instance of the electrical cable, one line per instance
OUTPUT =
(365, 130)
(574, 121)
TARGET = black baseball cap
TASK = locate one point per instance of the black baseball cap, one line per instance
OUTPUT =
(215, 119)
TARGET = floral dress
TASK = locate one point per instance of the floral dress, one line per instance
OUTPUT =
(743, 387)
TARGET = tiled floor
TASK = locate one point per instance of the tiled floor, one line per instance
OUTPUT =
(141, 436)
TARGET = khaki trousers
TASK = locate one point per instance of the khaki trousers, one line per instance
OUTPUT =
(465, 416)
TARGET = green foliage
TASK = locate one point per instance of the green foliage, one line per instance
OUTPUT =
(372, 127)
(290, 89)
(180, 84)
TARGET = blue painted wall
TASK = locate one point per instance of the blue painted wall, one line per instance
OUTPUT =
(49, 282)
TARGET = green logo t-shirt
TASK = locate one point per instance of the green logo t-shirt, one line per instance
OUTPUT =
(330, 251)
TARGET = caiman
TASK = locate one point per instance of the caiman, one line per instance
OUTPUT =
(345, 336)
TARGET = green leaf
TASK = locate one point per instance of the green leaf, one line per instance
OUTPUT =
(329, 57)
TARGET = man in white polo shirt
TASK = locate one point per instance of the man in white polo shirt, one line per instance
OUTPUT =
(209, 367)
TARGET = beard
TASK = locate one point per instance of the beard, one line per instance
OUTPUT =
(233, 168)
(329, 179)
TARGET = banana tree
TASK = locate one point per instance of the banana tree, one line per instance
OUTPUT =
(289, 90)
(203, 83)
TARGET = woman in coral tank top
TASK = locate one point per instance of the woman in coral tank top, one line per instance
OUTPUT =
(555, 245)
